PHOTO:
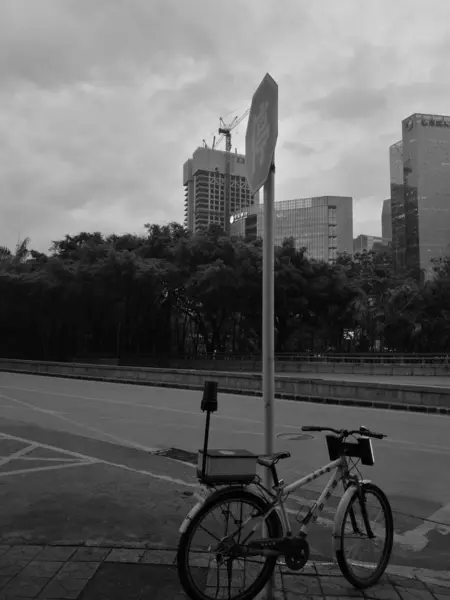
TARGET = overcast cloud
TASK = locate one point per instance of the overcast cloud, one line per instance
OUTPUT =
(101, 101)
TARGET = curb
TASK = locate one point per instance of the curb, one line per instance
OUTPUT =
(256, 393)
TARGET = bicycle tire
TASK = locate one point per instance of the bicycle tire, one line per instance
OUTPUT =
(274, 529)
(368, 488)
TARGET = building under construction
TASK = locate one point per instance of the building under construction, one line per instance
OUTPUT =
(215, 188)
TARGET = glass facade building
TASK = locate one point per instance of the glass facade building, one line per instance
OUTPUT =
(386, 220)
(322, 225)
(421, 223)
(397, 205)
(369, 243)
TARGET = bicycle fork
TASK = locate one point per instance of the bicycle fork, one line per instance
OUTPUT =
(363, 505)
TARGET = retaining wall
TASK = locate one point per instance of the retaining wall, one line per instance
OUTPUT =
(293, 366)
(382, 394)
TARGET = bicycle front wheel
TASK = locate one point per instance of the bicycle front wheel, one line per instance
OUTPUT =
(207, 568)
(366, 520)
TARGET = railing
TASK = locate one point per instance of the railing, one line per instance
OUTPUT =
(371, 358)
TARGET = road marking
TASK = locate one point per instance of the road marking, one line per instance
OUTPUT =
(91, 459)
(121, 441)
(30, 459)
(178, 425)
(30, 446)
(8, 436)
(85, 382)
(49, 468)
(18, 454)
(413, 445)
(416, 539)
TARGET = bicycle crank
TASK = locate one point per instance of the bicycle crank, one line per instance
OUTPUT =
(295, 550)
(296, 553)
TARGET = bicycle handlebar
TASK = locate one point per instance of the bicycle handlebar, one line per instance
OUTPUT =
(343, 433)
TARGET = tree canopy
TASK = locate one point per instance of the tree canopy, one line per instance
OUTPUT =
(169, 293)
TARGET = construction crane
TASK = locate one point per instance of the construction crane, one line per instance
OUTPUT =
(225, 132)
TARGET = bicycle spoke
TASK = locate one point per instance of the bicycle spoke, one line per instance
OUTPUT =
(366, 545)
(228, 576)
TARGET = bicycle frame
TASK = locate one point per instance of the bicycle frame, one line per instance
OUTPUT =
(283, 491)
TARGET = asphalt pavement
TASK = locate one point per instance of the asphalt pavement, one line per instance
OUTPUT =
(122, 425)
(87, 519)
(440, 381)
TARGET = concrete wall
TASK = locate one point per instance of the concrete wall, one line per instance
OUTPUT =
(302, 388)
(246, 366)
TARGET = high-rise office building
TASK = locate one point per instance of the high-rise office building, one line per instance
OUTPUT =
(423, 193)
(322, 225)
(397, 204)
(204, 178)
(386, 221)
(367, 243)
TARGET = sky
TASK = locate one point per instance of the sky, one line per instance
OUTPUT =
(102, 101)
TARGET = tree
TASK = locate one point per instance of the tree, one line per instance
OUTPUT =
(168, 293)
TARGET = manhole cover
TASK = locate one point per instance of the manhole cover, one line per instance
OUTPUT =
(295, 436)
(180, 455)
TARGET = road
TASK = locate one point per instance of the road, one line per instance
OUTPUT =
(440, 381)
(411, 465)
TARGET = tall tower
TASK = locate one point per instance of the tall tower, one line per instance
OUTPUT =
(215, 188)
(397, 205)
(386, 221)
(426, 167)
(420, 192)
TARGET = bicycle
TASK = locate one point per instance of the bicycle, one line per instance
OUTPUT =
(269, 513)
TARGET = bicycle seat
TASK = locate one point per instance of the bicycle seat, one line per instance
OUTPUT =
(271, 459)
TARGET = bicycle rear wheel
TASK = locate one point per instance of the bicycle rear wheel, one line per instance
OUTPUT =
(359, 572)
(199, 579)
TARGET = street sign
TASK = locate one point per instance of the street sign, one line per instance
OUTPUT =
(262, 133)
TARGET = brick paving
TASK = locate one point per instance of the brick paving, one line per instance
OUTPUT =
(138, 573)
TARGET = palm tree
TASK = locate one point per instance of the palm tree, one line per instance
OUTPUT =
(4, 253)
(22, 251)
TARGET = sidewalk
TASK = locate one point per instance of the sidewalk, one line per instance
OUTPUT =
(140, 573)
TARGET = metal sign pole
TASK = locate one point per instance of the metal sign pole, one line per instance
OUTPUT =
(268, 321)
(268, 327)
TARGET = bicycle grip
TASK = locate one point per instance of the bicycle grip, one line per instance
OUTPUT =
(310, 428)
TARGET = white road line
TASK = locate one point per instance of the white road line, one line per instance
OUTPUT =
(18, 454)
(184, 426)
(130, 403)
(84, 383)
(95, 460)
(417, 540)
(413, 445)
(49, 468)
(30, 459)
(46, 446)
(150, 474)
(121, 441)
